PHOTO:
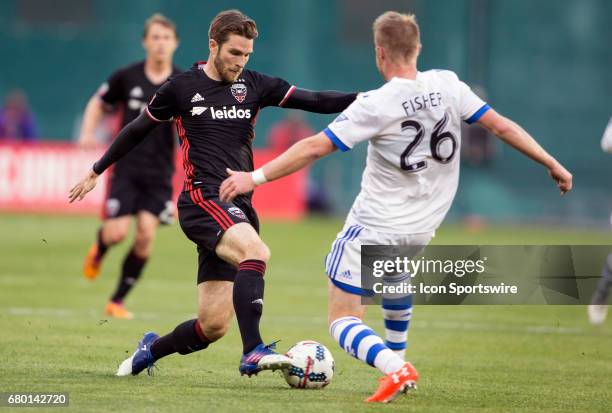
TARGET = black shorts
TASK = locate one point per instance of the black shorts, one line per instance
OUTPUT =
(204, 219)
(128, 195)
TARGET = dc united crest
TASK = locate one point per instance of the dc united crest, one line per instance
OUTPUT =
(239, 91)
(112, 207)
(237, 212)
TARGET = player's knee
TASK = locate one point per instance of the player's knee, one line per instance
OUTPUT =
(213, 329)
(142, 250)
(257, 251)
(115, 235)
(143, 242)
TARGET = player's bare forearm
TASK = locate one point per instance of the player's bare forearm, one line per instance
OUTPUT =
(298, 156)
(91, 118)
(326, 101)
(514, 135)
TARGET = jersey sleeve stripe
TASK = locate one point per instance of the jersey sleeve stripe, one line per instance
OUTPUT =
(336, 141)
(289, 93)
(478, 114)
(154, 118)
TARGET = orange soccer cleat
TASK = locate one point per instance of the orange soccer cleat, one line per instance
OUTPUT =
(117, 310)
(92, 264)
(393, 384)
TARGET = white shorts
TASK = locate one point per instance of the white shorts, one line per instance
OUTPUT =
(343, 263)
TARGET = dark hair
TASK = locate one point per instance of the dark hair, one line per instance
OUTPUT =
(159, 18)
(231, 22)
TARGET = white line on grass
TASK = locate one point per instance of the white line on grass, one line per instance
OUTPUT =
(72, 313)
(301, 320)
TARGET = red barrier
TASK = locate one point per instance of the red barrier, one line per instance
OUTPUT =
(283, 199)
(37, 178)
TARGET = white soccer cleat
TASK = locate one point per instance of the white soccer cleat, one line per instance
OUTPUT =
(141, 359)
(597, 313)
(274, 362)
(261, 358)
(125, 368)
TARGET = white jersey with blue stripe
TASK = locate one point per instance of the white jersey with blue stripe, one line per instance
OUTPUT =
(413, 129)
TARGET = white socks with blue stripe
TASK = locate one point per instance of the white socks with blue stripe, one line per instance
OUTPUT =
(397, 320)
(361, 342)
(397, 312)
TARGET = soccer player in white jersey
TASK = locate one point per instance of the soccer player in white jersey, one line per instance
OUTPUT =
(598, 309)
(412, 125)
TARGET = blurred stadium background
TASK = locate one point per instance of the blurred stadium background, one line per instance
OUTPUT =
(545, 63)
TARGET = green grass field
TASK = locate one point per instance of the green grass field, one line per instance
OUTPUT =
(54, 338)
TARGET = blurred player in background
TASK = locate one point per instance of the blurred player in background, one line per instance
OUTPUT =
(412, 124)
(598, 309)
(215, 106)
(17, 122)
(140, 186)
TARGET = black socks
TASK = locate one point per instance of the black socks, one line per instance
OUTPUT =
(248, 304)
(248, 301)
(132, 268)
(102, 248)
(186, 338)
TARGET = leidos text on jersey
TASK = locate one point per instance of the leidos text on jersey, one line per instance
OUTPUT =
(231, 113)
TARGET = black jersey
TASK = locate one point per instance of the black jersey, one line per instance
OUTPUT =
(129, 90)
(216, 120)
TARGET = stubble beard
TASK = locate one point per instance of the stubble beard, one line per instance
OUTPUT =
(226, 75)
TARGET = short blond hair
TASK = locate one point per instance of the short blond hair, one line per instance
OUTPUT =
(160, 19)
(398, 34)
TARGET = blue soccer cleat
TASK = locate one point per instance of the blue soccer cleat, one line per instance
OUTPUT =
(141, 359)
(263, 358)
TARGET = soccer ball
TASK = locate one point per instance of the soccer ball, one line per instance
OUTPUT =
(312, 367)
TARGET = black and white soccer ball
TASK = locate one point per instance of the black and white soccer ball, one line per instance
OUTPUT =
(312, 367)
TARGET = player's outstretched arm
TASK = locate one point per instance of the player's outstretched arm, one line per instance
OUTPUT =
(515, 136)
(298, 156)
(326, 101)
(131, 135)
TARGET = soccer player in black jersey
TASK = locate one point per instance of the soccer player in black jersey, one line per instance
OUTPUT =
(215, 106)
(140, 185)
